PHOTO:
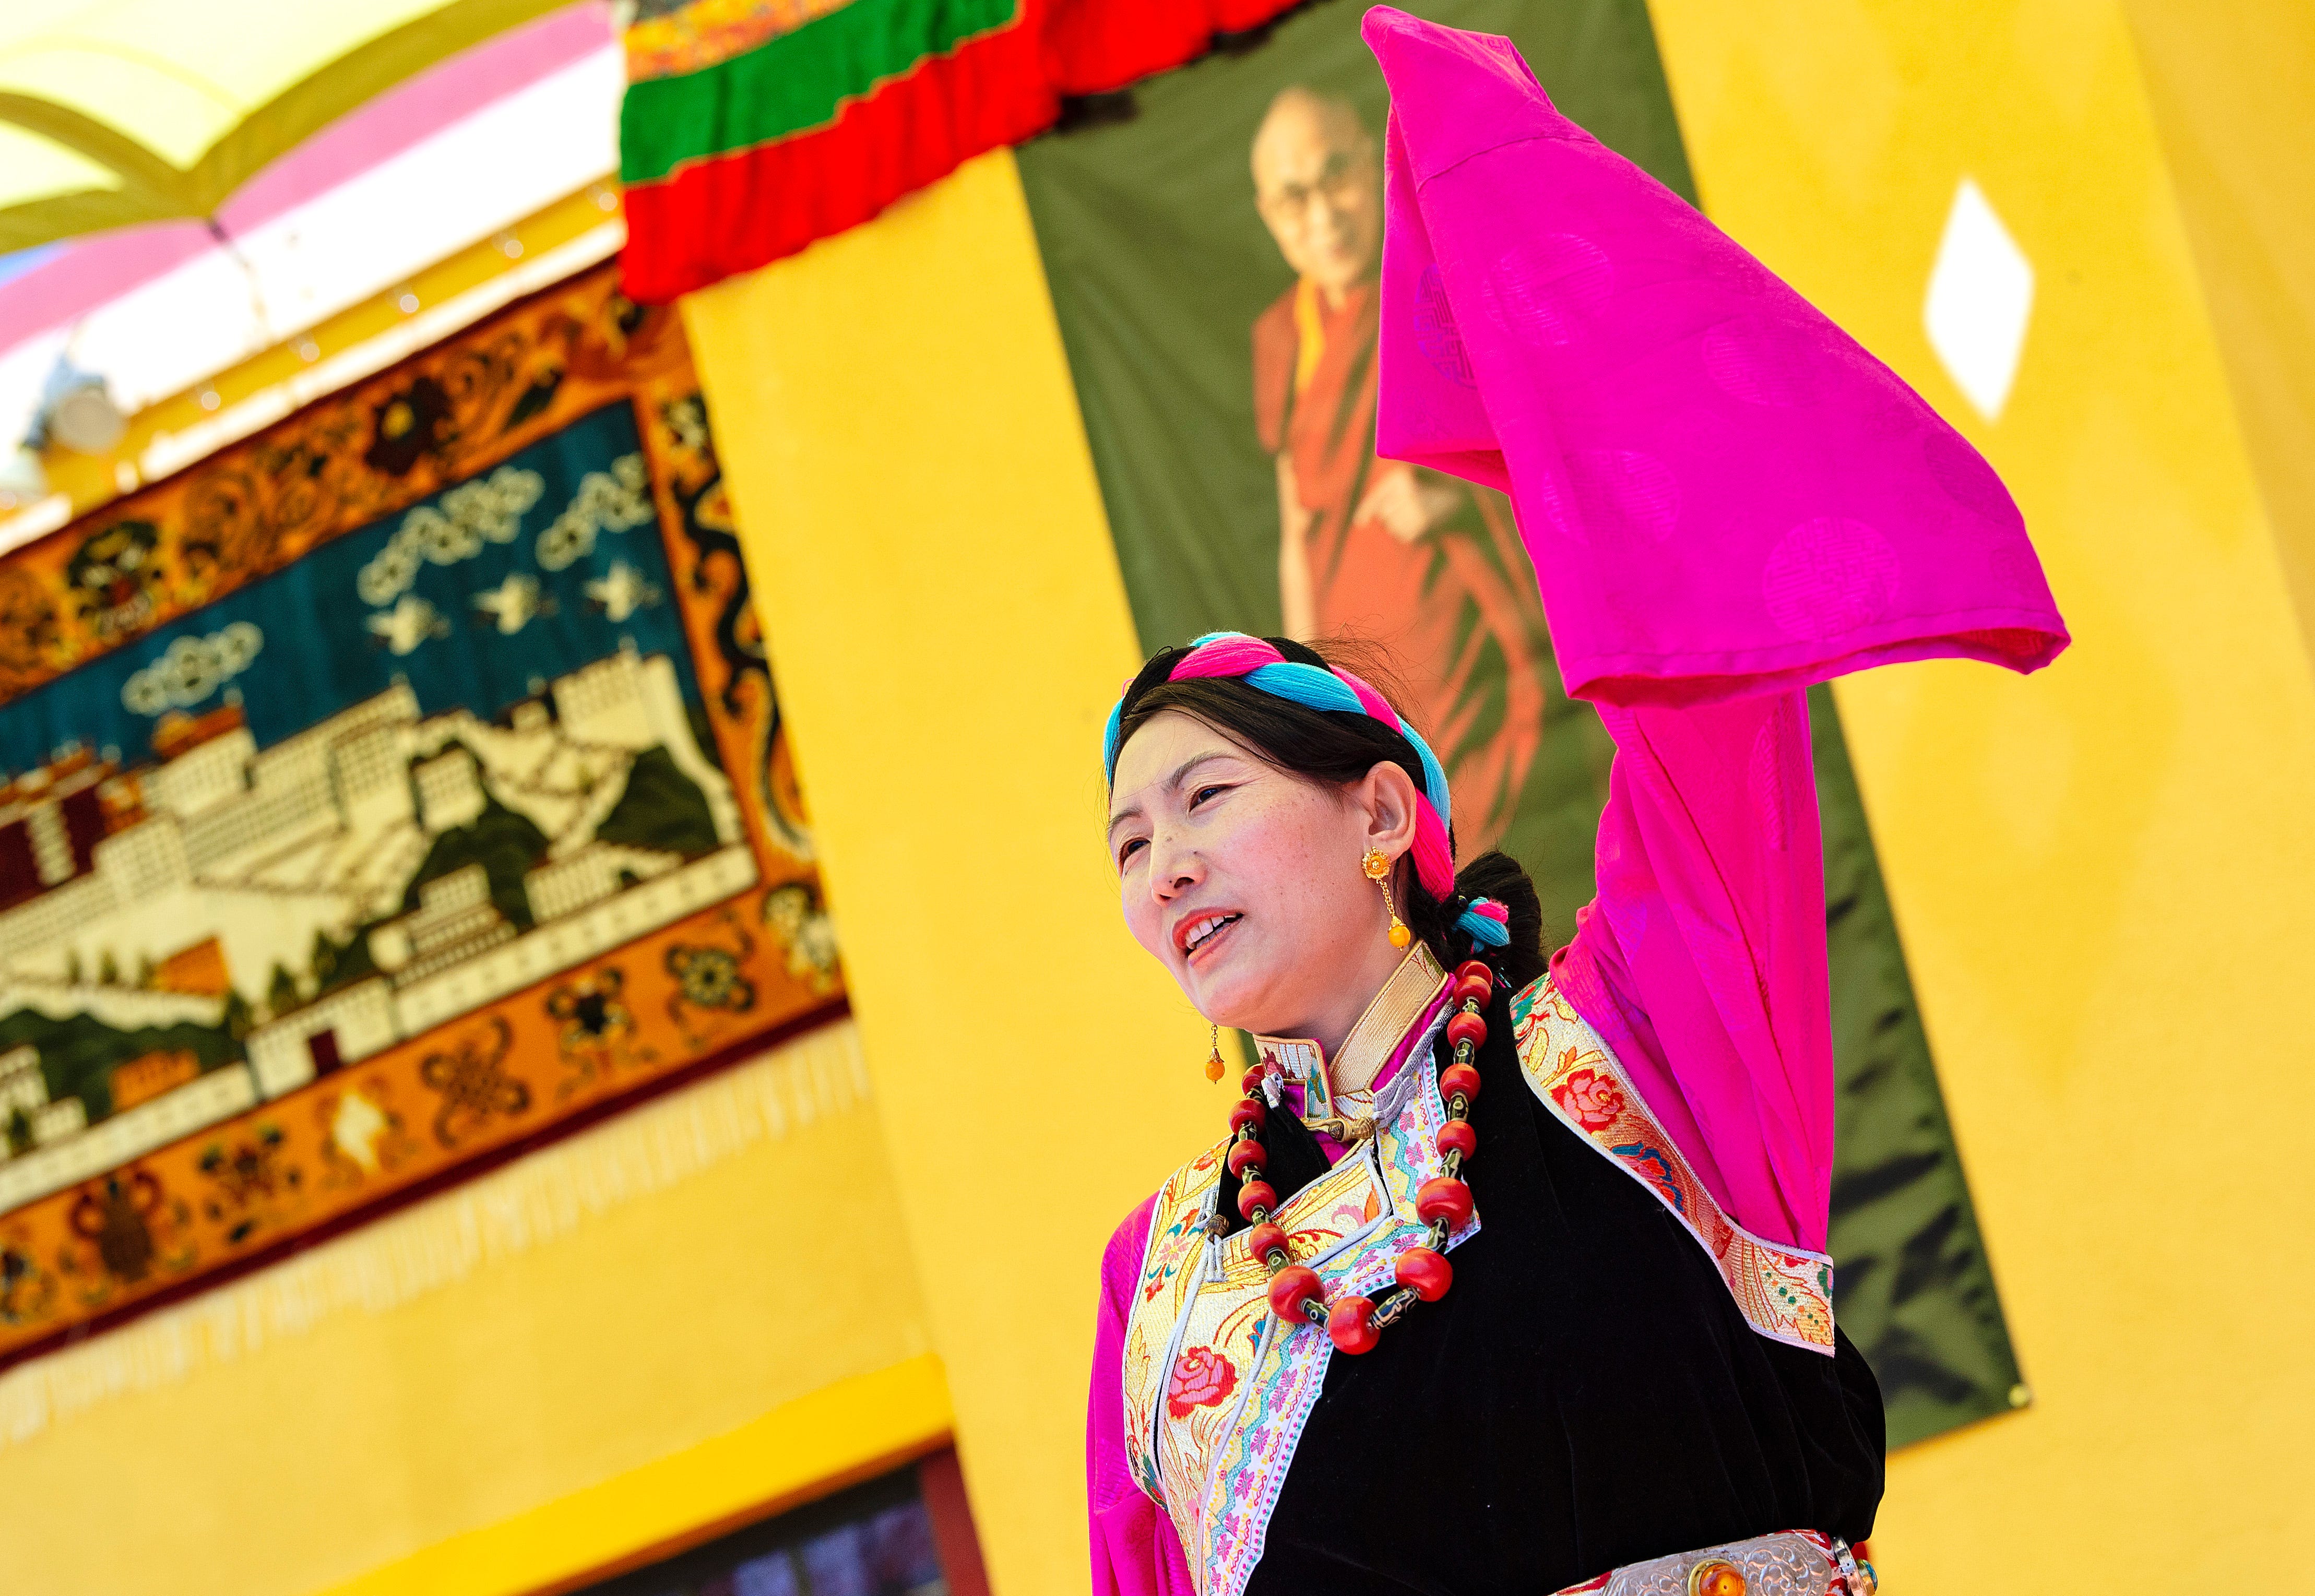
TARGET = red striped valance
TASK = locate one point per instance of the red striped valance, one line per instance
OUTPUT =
(753, 127)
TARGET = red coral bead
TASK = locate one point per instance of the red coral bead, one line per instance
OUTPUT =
(1425, 1273)
(1350, 1324)
(1256, 1195)
(1470, 991)
(1455, 1136)
(1250, 1083)
(1249, 1111)
(1459, 1078)
(1245, 1156)
(1263, 1240)
(1467, 1027)
(1290, 1287)
(1443, 1197)
(1475, 970)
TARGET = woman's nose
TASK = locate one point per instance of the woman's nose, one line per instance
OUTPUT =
(1173, 870)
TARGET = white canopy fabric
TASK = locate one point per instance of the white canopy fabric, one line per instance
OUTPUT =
(460, 153)
(117, 111)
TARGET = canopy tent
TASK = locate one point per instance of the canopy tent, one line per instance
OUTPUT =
(510, 140)
(113, 113)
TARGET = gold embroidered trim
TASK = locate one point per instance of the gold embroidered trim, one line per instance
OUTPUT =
(1216, 1389)
(1372, 1040)
(1785, 1293)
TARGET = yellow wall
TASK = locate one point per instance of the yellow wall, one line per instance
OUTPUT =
(2232, 88)
(656, 1324)
(948, 630)
(2101, 873)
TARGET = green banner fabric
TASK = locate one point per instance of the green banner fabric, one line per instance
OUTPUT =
(1210, 237)
(799, 81)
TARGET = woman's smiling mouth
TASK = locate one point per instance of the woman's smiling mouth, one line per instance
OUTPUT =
(1199, 934)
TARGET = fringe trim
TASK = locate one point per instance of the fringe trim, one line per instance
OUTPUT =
(447, 1238)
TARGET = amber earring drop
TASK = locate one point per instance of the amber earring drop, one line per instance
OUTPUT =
(1215, 1070)
(1377, 865)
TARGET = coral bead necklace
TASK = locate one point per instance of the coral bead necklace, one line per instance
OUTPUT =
(1354, 1322)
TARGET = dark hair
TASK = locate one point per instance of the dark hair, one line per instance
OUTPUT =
(1336, 748)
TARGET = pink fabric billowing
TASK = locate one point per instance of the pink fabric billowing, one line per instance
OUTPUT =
(1722, 493)
(1135, 1549)
(1725, 498)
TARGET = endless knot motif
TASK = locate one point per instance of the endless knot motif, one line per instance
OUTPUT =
(475, 1089)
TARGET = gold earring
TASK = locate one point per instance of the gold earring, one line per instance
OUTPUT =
(1378, 868)
(1215, 1068)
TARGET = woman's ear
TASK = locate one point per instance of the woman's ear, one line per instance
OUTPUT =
(1386, 798)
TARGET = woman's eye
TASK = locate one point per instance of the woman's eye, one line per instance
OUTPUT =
(1202, 793)
(1126, 851)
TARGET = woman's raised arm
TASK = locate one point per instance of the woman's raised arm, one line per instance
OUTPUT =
(1725, 499)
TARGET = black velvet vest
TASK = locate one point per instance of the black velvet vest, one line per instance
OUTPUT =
(1587, 1395)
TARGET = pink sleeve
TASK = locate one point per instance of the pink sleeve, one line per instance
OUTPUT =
(1725, 498)
(1135, 1551)
(1702, 960)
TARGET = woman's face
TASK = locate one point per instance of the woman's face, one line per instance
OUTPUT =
(1243, 880)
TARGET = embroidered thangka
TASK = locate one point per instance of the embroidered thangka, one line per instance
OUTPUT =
(384, 794)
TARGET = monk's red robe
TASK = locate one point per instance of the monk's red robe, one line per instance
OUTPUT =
(1457, 607)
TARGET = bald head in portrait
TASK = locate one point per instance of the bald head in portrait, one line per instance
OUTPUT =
(1424, 563)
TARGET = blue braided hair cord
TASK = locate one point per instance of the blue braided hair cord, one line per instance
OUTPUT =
(1314, 687)
(1318, 688)
(1483, 929)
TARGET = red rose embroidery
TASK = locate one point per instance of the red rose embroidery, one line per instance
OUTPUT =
(1592, 1100)
(1202, 1377)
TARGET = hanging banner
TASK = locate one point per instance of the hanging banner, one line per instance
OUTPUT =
(1210, 237)
(385, 794)
(751, 128)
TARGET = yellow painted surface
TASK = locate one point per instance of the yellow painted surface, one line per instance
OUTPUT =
(2102, 873)
(669, 1361)
(847, 1430)
(2233, 89)
(948, 630)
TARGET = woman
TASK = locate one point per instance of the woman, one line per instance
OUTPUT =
(1509, 1276)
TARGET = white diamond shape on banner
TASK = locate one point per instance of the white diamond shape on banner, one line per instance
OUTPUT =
(1980, 297)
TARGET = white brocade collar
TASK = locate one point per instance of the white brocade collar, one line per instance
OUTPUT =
(1344, 1089)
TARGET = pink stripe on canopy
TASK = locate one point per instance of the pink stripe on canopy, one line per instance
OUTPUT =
(88, 272)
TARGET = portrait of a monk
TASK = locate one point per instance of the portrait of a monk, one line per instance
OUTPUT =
(1423, 563)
